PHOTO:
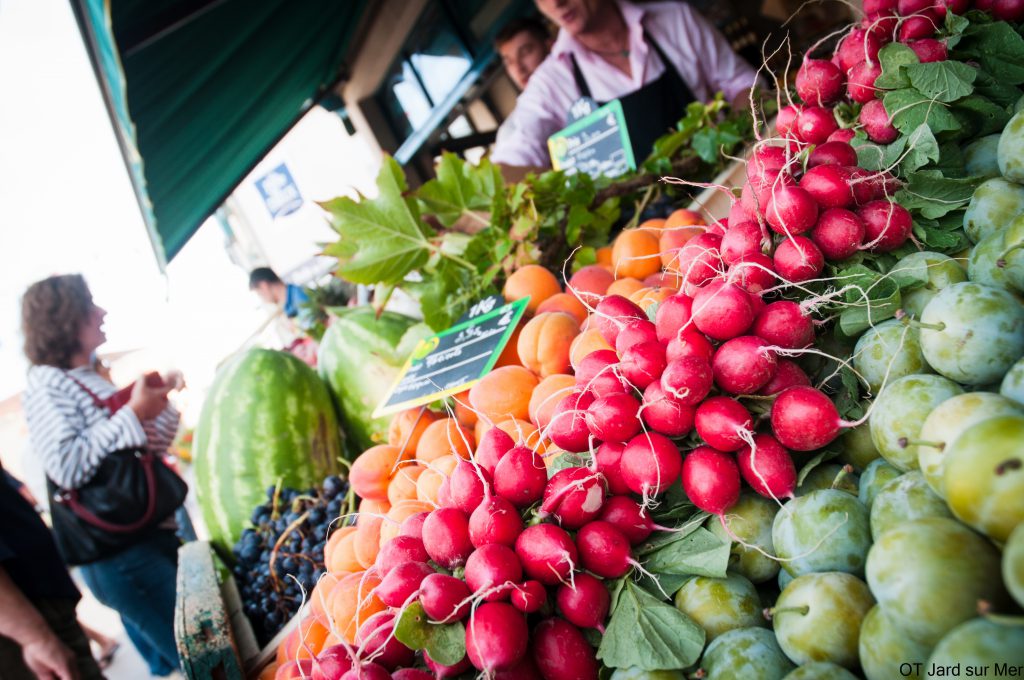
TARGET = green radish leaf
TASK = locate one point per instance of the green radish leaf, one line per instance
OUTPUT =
(909, 109)
(932, 196)
(921, 147)
(954, 26)
(381, 239)
(894, 58)
(648, 634)
(809, 466)
(567, 460)
(661, 539)
(699, 553)
(985, 117)
(446, 643)
(875, 299)
(997, 47)
(940, 240)
(660, 584)
(943, 81)
(999, 92)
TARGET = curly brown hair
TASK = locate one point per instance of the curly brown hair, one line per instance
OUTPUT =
(53, 312)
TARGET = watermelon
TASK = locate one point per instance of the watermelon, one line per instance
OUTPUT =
(360, 357)
(267, 417)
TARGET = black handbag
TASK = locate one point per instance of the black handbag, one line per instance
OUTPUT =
(128, 497)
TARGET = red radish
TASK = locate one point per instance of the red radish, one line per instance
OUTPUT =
(606, 461)
(399, 550)
(871, 186)
(614, 418)
(665, 414)
(444, 598)
(688, 380)
(883, 28)
(672, 315)
(496, 637)
(984, 5)
(495, 521)
(643, 363)
(739, 213)
(907, 7)
(700, 260)
(887, 225)
(633, 332)
(720, 421)
(491, 566)
(784, 324)
(568, 425)
(573, 496)
(604, 550)
(524, 669)
(819, 82)
(918, 26)
(743, 365)
(413, 526)
(612, 313)
(797, 259)
(711, 480)
(595, 364)
(722, 310)
(755, 273)
(929, 50)
(411, 674)
(380, 645)
(584, 602)
(1008, 10)
(467, 485)
(829, 185)
(838, 234)
(767, 467)
(332, 663)
(446, 536)
(441, 671)
(757, 192)
(741, 240)
(791, 210)
(941, 7)
(598, 374)
(493, 445)
(816, 123)
(649, 464)
(877, 123)
(786, 119)
(444, 496)
(832, 153)
(766, 158)
(400, 583)
(520, 477)
(804, 419)
(547, 553)
(562, 653)
(529, 596)
(757, 303)
(787, 374)
(366, 671)
(861, 83)
(858, 47)
(876, 8)
(689, 343)
(844, 135)
(628, 517)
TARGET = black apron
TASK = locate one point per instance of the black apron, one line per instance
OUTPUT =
(651, 111)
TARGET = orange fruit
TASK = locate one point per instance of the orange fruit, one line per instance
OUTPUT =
(354, 602)
(625, 287)
(372, 469)
(586, 342)
(604, 256)
(546, 396)
(443, 437)
(635, 254)
(464, 413)
(672, 240)
(503, 393)
(429, 483)
(403, 483)
(545, 341)
(533, 281)
(683, 218)
(567, 303)
(407, 427)
(645, 297)
(590, 283)
(653, 225)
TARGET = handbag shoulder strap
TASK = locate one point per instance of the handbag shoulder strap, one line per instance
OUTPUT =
(95, 398)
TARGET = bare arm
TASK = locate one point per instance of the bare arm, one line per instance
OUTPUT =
(44, 653)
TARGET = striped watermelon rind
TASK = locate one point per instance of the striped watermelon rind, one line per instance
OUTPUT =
(266, 417)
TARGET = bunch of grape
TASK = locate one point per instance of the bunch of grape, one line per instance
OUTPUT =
(282, 554)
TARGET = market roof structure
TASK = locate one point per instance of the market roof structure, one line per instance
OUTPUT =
(200, 90)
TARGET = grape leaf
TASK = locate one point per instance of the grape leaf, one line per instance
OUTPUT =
(943, 81)
(648, 634)
(445, 643)
(894, 58)
(460, 188)
(381, 239)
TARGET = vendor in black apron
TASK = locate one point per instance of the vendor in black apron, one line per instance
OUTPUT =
(653, 58)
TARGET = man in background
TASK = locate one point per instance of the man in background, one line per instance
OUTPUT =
(523, 44)
(265, 282)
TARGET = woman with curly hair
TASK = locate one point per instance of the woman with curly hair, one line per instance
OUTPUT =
(74, 427)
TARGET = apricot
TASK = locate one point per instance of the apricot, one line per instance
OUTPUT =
(545, 341)
(534, 281)
(551, 390)
(635, 254)
(567, 303)
(503, 393)
(443, 437)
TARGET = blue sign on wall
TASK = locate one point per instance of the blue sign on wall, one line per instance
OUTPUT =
(279, 191)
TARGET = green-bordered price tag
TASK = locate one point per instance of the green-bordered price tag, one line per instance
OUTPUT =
(454, 360)
(597, 144)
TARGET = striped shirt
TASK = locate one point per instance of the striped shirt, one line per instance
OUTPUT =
(74, 435)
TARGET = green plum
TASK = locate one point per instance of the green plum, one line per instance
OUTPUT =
(829, 476)
(826, 530)
(1013, 564)
(750, 520)
(818, 617)
(973, 333)
(875, 477)
(980, 643)
(720, 604)
(856, 446)
(986, 264)
(884, 648)
(984, 476)
(1010, 151)
(930, 573)
(904, 498)
(888, 351)
(1012, 386)
(1012, 254)
(634, 673)
(901, 409)
(993, 205)
(821, 670)
(939, 270)
(947, 421)
(981, 157)
(745, 653)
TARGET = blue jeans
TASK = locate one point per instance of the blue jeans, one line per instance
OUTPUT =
(139, 584)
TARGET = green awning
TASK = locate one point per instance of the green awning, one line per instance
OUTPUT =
(200, 90)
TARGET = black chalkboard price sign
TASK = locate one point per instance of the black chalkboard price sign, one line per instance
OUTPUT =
(455, 359)
(596, 144)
